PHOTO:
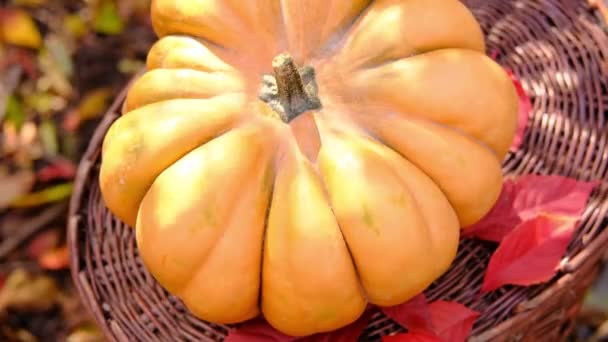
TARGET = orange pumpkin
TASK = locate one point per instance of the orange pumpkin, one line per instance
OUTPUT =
(301, 159)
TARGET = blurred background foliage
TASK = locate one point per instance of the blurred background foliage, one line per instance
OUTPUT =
(61, 64)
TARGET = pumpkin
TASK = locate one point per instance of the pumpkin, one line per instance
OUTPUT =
(303, 159)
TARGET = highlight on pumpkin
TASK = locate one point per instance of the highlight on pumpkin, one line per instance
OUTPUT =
(296, 161)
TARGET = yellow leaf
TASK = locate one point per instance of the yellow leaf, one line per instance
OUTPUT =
(14, 186)
(30, 3)
(51, 194)
(18, 28)
(75, 25)
(94, 103)
(23, 290)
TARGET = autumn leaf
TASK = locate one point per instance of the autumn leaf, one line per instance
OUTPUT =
(525, 108)
(530, 254)
(15, 114)
(525, 197)
(30, 3)
(554, 195)
(23, 290)
(413, 336)
(49, 195)
(501, 219)
(18, 28)
(92, 105)
(55, 259)
(60, 169)
(439, 321)
(107, 18)
(86, 333)
(349, 333)
(75, 25)
(257, 330)
(413, 314)
(42, 243)
(14, 186)
(48, 137)
(452, 321)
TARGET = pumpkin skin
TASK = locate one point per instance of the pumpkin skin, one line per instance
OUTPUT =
(239, 212)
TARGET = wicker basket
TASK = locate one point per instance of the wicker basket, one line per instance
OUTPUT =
(558, 50)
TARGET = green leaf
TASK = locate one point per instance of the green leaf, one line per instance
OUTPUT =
(108, 20)
(51, 194)
(14, 112)
(48, 137)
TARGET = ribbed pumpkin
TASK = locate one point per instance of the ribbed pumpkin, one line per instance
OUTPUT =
(302, 159)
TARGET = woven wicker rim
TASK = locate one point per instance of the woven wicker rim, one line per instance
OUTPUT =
(558, 50)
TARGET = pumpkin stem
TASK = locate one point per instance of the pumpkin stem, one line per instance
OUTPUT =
(291, 91)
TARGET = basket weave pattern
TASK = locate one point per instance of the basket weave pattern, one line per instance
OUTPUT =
(558, 50)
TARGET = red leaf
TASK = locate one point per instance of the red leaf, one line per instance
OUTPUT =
(500, 220)
(55, 259)
(438, 321)
(413, 314)
(260, 330)
(526, 197)
(42, 243)
(23, 58)
(530, 254)
(525, 108)
(61, 169)
(349, 333)
(555, 195)
(413, 336)
(257, 330)
(453, 321)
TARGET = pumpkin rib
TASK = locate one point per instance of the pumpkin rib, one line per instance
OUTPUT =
(197, 18)
(464, 83)
(217, 21)
(317, 233)
(426, 217)
(348, 247)
(373, 225)
(426, 151)
(219, 222)
(371, 43)
(120, 182)
(193, 84)
(369, 135)
(186, 52)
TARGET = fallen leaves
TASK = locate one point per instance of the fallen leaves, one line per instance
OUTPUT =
(51, 194)
(90, 107)
(525, 109)
(530, 254)
(13, 186)
(453, 321)
(440, 321)
(60, 61)
(25, 291)
(18, 28)
(258, 330)
(533, 221)
(107, 19)
(46, 249)
(414, 313)
(525, 197)
(59, 169)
